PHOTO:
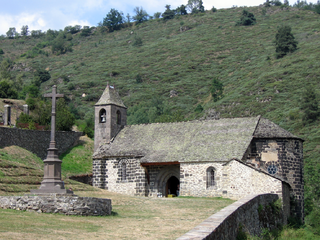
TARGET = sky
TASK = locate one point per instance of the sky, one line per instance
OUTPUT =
(57, 14)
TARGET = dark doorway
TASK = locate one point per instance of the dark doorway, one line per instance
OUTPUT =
(172, 186)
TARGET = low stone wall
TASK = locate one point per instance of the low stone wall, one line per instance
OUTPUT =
(251, 214)
(37, 142)
(58, 203)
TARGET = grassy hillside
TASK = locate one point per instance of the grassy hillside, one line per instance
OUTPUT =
(20, 170)
(185, 54)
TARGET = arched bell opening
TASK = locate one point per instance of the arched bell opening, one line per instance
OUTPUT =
(102, 116)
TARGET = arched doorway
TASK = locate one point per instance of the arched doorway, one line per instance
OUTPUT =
(172, 186)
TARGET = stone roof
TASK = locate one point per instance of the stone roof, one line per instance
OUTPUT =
(194, 141)
(268, 129)
(110, 96)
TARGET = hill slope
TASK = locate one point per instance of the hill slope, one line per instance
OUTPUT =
(182, 56)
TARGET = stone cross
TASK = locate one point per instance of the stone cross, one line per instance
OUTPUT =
(52, 182)
(53, 95)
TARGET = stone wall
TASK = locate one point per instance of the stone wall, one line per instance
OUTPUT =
(250, 214)
(37, 142)
(109, 174)
(233, 180)
(55, 203)
(158, 176)
(285, 158)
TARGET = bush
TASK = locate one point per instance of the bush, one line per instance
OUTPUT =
(310, 106)
(285, 41)
(216, 89)
(246, 19)
(137, 42)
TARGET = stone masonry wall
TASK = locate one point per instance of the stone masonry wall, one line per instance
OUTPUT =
(55, 203)
(108, 174)
(252, 214)
(287, 157)
(193, 180)
(159, 175)
(234, 180)
(37, 141)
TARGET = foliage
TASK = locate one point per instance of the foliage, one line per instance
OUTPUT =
(309, 106)
(213, 9)
(25, 30)
(86, 31)
(113, 20)
(168, 13)
(65, 119)
(11, 33)
(60, 46)
(1, 51)
(137, 41)
(195, 6)
(285, 41)
(7, 90)
(157, 15)
(72, 29)
(198, 109)
(141, 15)
(37, 33)
(181, 10)
(276, 3)
(138, 78)
(246, 19)
(216, 89)
(42, 74)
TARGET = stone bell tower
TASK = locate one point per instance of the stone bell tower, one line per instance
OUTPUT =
(110, 116)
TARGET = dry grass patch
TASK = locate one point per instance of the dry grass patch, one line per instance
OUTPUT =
(132, 218)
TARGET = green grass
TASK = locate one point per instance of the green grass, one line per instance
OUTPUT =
(132, 218)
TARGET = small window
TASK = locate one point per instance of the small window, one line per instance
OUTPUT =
(123, 171)
(272, 169)
(210, 177)
(118, 117)
(102, 116)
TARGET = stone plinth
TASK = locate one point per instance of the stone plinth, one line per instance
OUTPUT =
(67, 204)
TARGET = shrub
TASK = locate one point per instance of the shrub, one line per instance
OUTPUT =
(285, 41)
(138, 78)
(309, 106)
(216, 89)
(246, 19)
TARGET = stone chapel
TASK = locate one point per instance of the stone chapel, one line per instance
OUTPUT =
(231, 157)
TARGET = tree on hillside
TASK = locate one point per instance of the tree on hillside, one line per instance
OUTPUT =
(181, 10)
(7, 90)
(141, 15)
(11, 32)
(285, 41)
(195, 6)
(113, 20)
(216, 89)
(246, 19)
(65, 119)
(309, 106)
(168, 13)
(25, 30)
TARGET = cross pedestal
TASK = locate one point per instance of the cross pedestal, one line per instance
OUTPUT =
(52, 182)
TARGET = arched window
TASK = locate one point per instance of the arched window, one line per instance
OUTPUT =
(102, 116)
(210, 177)
(123, 171)
(118, 117)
